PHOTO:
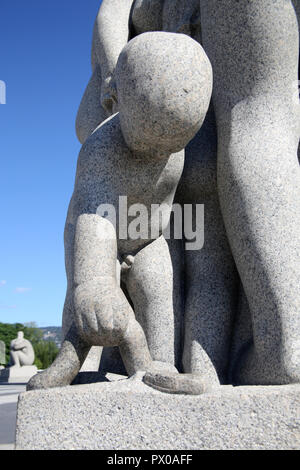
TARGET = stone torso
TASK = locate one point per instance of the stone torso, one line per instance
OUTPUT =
(107, 169)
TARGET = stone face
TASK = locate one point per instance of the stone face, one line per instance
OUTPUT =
(253, 46)
(128, 415)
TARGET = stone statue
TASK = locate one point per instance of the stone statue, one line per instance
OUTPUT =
(204, 304)
(241, 296)
(21, 352)
(2, 353)
(137, 152)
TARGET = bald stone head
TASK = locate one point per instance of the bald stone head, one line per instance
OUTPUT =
(164, 86)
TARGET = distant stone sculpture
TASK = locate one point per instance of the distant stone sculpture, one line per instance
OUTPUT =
(21, 367)
(138, 152)
(21, 352)
(2, 353)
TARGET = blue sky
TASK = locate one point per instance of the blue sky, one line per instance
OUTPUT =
(45, 63)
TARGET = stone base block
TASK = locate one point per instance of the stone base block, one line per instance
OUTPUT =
(17, 374)
(127, 415)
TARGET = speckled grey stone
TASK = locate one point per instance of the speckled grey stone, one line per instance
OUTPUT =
(111, 32)
(176, 17)
(102, 314)
(147, 15)
(128, 415)
(2, 353)
(182, 16)
(21, 352)
(152, 118)
(253, 46)
(183, 384)
(150, 285)
(129, 154)
(211, 280)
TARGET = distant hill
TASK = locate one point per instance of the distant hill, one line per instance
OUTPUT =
(52, 333)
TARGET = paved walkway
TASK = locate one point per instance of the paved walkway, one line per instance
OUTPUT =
(8, 410)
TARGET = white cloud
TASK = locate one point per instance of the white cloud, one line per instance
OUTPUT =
(2, 283)
(22, 290)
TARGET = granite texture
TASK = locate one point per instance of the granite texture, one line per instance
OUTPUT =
(138, 153)
(2, 353)
(111, 33)
(162, 105)
(182, 16)
(240, 295)
(211, 279)
(21, 352)
(128, 415)
(253, 46)
(178, 17)
(147, 15)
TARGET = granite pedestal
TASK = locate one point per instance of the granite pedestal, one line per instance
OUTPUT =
(17, 374)
(126, 415)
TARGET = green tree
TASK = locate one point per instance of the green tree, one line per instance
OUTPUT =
(46, 352)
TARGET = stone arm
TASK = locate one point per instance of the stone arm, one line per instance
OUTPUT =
(99, 315)
(18, 345)
(112, 29)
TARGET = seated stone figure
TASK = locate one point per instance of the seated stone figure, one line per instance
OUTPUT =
(21, 352)
(162, 99)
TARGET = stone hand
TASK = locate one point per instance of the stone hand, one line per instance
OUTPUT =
(101, 312)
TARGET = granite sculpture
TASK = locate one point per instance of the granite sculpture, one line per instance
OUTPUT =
(227, 313)
(21, 352)
(240, 291)
(137, 152)
(2, 353)
(21, 368)
(257, 116)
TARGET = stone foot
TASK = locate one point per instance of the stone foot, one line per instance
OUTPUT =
(172, 382)
(49, 379)
(66, 365)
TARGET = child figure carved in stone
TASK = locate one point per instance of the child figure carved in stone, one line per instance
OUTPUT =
(163, 88)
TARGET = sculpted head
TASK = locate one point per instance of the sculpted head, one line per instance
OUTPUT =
(164, 85)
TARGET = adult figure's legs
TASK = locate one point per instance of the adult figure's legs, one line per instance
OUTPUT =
(253, 46)
(211, 279)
